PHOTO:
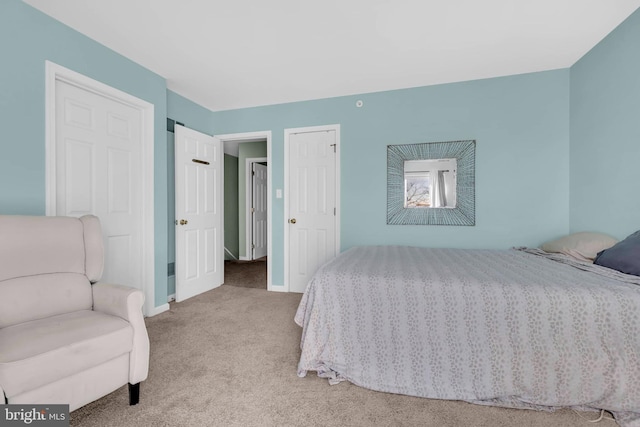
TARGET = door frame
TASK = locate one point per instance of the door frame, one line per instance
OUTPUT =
(287, 135)
(250, 137)
(248, 219)
(55, 72)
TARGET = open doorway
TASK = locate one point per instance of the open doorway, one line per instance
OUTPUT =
(247, 210)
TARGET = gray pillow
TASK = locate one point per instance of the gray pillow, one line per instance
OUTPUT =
(624, 256)
(583, 245)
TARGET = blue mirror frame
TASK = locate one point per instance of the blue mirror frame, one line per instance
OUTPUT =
(465, 211)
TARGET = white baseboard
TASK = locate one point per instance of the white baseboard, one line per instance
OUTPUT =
(228, 252)
(157, 310)
(171, 298)
(245, 258)
(276, 288)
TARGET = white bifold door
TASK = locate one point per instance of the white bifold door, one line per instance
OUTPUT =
(98, 164)
(199, 220)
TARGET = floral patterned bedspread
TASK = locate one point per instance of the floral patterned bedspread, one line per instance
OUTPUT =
(507, 328)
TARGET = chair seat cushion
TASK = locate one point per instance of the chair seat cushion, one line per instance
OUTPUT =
(36, 353)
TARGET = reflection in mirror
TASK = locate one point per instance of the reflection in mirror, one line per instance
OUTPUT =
(430, 183)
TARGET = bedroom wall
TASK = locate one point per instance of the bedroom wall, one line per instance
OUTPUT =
(605, 134)
(30, 37)
(521, 124)
(528, 129)
(171, 215)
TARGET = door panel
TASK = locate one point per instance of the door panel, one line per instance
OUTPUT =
(119, 165)
(312, 203)
(199, 232)
(209, 183)
(79, 188)
(118, 253)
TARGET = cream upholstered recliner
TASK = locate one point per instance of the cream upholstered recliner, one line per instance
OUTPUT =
(63, 337)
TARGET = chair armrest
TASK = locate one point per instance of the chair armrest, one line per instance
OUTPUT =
(126, 303)
(118, 300)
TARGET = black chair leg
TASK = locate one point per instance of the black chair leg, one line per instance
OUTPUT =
(134, 394)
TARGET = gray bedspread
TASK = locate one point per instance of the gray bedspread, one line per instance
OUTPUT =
(507, 328)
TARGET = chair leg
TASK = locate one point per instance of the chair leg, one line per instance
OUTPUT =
(134, 394)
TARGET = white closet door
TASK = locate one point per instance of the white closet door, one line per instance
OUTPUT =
(312, 204)
(99, 172)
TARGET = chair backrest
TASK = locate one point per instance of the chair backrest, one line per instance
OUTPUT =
(47, 265)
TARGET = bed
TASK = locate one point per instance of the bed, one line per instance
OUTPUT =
(517, 328)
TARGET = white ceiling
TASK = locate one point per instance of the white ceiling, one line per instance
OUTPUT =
(227, 54)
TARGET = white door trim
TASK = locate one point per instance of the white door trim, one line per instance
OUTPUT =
(287, 134)
(248, 193)
(55, 72)
(248, 137)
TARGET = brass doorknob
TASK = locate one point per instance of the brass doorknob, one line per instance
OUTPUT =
(183, 222)
(292, 220)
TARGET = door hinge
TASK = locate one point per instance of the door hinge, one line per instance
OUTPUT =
(334, 147)
(334, 211)
(253, 210)
(253, 246)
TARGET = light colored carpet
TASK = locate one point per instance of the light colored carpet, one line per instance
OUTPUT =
(248, 274)
(228, 358)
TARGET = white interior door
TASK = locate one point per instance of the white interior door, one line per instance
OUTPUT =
(259, 210)
(199, 221)
(98, 164)
(312, 204)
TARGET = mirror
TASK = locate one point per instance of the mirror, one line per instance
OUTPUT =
(431, 183)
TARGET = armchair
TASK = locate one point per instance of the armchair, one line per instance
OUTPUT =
(63, 337)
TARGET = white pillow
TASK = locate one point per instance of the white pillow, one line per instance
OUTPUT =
(583, 245)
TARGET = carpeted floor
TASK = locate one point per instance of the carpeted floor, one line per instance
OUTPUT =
(247, 274)
(228, 358)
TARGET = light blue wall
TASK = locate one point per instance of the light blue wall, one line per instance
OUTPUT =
(27, 39)
(605, 134)
(192, 115)
(171, 213)
(521, 124)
